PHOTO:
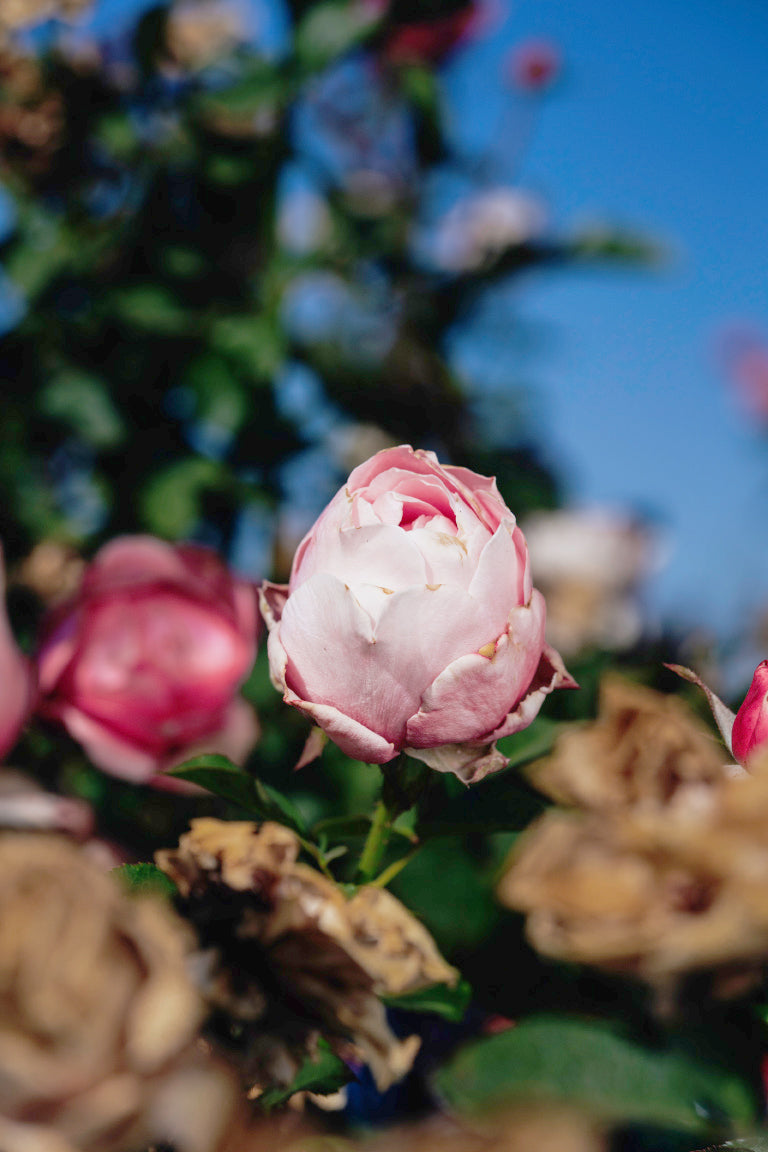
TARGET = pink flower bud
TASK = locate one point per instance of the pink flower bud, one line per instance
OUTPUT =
(143, 664)
(411, 621)
(750, 728)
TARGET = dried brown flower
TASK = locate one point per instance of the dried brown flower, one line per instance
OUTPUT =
(290, 958)
(525, 1129)
(97, 1013)
(655, 893)
(200, 31)
(52, 570)
(645, 749)
(31, 113)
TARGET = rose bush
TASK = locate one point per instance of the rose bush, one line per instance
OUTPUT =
(410, 621)
(143, 663)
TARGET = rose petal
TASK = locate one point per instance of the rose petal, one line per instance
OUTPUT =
(355, 739)
(550, 674)
(376, 554)
(501, 574)
(17, 678)
(334, 658)
(236, 737)
(272, 598)
(106, 750)
(469, 762)
(130, 560)
(475, 694)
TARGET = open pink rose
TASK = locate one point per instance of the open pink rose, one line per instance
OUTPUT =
(410, 621)
(16, 677)
(143, 664)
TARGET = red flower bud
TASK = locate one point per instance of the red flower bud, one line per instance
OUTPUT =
(750, 728)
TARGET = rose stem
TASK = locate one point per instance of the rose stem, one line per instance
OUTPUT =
(375, 841)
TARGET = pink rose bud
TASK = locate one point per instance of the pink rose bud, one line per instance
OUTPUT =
(17, 679)
(410, 621)
(750, 728)
(143, 664)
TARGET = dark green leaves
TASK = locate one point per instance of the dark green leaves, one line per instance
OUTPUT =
(323, 1074)
(438, 1000)
(594, 1066)
(219, 775)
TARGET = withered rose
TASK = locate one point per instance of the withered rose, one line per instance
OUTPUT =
(99, 1016)
(655, 893)
(290, 958)
(644, 749)
(533, 1128)
(590, 565)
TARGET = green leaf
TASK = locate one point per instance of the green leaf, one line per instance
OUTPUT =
(171, 500)
(150, 308)
(219, 775)
(438, 999)
(82, 401)
(340, 829)
(330, 29)
(255, 343)
(323, 1074)
(444, 876)
(143, 878)
(593, 1066)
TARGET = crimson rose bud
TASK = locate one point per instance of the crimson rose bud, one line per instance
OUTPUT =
(750, 728)
(143, 664)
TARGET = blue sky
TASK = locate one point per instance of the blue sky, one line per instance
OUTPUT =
(661, 124)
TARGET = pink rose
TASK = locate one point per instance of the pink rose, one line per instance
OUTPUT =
(143, 664)
(410, 621)
(750, 728)
(17, 679)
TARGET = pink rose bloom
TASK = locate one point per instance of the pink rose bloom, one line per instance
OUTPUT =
(143, 664)
(16, 677)
(410, 622)
(750, 728)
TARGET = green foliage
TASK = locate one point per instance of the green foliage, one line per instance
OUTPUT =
(171, 501)
(323, 1074)
(330, 29)
(437, 1000)
(142, 879)
(219, 775)
(594, 1066)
